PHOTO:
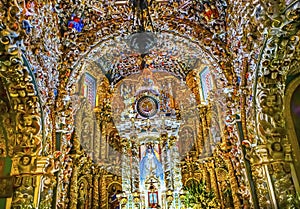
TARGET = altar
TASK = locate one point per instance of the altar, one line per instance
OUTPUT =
(149, 125)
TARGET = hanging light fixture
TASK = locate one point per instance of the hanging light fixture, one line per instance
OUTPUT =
(142, 40)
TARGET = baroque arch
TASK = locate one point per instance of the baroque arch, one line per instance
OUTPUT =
(169, 21)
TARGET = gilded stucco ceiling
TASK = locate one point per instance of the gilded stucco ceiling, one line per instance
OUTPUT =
(124, 56)
(181, 24)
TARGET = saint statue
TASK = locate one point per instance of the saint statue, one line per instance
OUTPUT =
(82, 196)
(150, 165)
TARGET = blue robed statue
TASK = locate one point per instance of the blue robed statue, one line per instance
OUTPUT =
(150, 165)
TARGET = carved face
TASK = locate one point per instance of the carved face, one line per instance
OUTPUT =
(25, 160)
(271, 100)
(27, 120)
(276, 147)
(22, 93)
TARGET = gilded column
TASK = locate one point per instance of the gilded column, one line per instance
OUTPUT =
(96, 177)
(199, 138)
(74, 185)
(213, 179)
(206, 129)
(233, 182)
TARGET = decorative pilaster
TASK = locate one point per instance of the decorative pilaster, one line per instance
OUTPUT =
(233, 182)
(135, 167)
(269, 94)
(95, 198)
(74, 185)
(213, 180)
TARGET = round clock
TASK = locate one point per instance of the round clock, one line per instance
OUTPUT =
(147, 106)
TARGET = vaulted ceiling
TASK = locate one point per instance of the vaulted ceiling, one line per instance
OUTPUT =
(171, 28)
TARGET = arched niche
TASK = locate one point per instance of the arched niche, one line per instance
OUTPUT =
(292, 115)
(114, 189)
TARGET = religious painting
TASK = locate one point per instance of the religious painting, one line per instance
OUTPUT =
(113, 190)
(6, 187)
(87, 133)
(186, 139)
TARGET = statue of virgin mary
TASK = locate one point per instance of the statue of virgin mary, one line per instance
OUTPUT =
(150, 166)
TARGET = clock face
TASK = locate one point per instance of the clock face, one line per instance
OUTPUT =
(147, 106)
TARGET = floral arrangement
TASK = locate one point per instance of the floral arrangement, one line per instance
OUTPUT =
(197, 196)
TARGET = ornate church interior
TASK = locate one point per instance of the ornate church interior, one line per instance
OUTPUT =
(149, 104)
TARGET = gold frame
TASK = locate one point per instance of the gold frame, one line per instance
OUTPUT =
(291, 133)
